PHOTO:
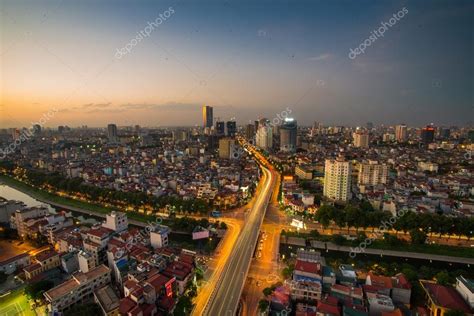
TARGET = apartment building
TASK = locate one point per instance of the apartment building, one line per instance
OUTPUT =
(337, 179)
(80, 288)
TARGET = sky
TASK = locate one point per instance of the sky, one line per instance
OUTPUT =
(247, 59)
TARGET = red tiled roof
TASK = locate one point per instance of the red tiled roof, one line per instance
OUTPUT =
(402, 283)
(45, 255)
(32, 267)
(126, 305)
(311, 267)
(396, 312)
(326, 308)
(158, 281)
(446, 296)
(379, 280)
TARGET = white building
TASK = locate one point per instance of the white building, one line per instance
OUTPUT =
(337, 179)
(159, 236)
(86, 261)
(372, 173)
(19, 218)
(379, 303)
(264, 136)
(465, 287)
(116, 221)
(361, 139)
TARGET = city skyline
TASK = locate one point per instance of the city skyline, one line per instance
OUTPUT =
(244, 59)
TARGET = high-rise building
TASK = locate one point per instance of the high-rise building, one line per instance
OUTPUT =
(36, 129)
(112, 133)
(288, 133)
(369, 125)
(361, 139)
(231, 128)
(220, 128)
(444, 133)
(264, 137)
(249, 131)
(207, 117)
(337, 179)
(401, 134)
(427, 134)
(372, 173)
(227, 148)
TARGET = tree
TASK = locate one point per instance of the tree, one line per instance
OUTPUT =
(288, 271)
(263, 305)
(84, 310)
(417, 236)
(338, 239)
(454, 312)
(443, 278)
(3, 277)
(36, 290)
(184, 306)
(391, 240)
(267, 291)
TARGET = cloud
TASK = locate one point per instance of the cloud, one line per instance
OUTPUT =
(320, 57)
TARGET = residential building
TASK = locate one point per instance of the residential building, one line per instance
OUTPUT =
(337, 179)
(441, 299)
(18, 219)
(361, 139)
(401, 133)
(108, 301)
(227, 148)
(80, 288)
(465, 287)
(116, 221)
(159, 236)
(43, 261)
(372, 173)
(10, 265)
(264, 136)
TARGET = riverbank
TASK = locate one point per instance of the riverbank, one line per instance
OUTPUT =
(181, 235)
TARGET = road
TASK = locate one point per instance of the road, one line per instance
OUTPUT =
(225, 297)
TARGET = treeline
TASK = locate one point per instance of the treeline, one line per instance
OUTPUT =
(94, 193)
(356, 217)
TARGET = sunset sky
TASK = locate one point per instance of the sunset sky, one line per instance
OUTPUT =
(245, 59)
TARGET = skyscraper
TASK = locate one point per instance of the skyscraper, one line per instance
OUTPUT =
(288, 132)
(401, 134)
(231, 128)
(337, 179)
(264, 137)
(427, 134)
(361, 139)
(220, 128)
(112, 133)
(250, 131)
(207, 117)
